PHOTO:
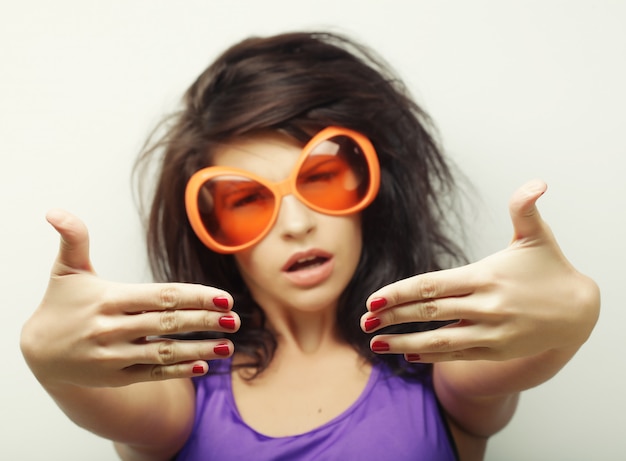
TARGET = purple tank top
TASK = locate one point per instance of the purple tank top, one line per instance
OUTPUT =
(392, 419)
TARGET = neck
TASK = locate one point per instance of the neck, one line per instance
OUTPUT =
(306, 333)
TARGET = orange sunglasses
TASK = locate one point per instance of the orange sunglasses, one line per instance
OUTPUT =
(232, 209)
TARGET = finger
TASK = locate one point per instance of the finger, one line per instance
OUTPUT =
(138, 298)
(523, 210)
(172, 322)
(474, 353)
(454, 342)
(430, 310)
(142, 373)
(169, 352)
(167, 359)
(74, 246)
(139, 373)
(455, 282)
(443, 340)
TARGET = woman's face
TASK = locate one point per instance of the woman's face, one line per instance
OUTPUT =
(307, 258)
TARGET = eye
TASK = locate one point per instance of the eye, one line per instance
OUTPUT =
(322, 168)
(236, 195)
(249, 199)
(320, 176)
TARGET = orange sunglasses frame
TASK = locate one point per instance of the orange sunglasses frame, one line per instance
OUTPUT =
(280, 189)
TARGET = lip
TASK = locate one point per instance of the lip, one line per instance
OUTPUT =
(312, 276)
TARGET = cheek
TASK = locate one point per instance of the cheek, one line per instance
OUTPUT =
(353, 238)
(245, 264)
(253, 264)
(358, 244)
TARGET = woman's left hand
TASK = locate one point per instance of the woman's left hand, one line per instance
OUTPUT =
(519, 302)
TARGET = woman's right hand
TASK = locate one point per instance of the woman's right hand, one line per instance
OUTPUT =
(92, 332)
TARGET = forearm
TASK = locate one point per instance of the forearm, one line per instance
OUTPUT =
(154, 417)
(481, 396)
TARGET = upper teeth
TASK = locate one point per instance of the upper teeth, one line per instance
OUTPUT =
(308, 258)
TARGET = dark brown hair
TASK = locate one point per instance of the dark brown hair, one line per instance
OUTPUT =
(301, 83)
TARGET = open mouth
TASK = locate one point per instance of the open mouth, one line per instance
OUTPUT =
(307, 263)
(310, 268)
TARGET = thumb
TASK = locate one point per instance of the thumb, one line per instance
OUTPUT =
(525, 216)
(74, 247)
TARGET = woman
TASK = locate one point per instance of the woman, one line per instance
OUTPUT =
(342, 335)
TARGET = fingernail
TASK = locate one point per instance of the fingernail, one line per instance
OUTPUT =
(412, 357)
(221, 302)
(198, 369)
(227, 321)
(377, 303)
(380, 346)
(222, 349)
(371, 323)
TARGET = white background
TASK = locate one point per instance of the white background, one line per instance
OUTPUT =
(518, 89)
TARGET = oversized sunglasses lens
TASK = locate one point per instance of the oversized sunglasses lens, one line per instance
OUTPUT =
(333, 176)
(235, 209)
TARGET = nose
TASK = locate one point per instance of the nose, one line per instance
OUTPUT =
(295, 220)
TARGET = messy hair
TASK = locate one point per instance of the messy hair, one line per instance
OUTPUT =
(300, 83)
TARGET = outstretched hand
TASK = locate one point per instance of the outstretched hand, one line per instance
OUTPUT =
(519, 302)
(92, 332)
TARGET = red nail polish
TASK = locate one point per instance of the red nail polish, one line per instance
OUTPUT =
(227, 321)
(198, 369)
(221, 302)
(412, 357)
(377, 303)
(222, 349)
(371, 323)
(380, 346)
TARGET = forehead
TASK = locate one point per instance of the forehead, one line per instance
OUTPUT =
(259, 153)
